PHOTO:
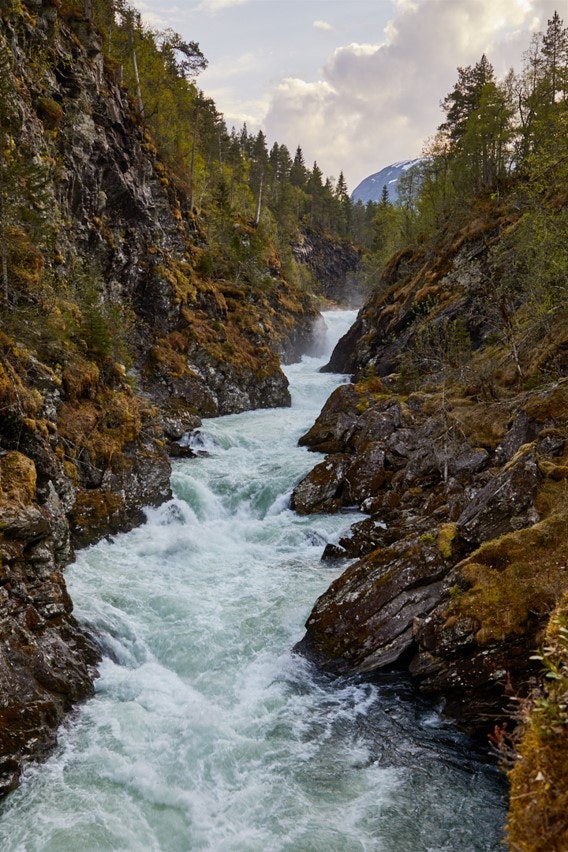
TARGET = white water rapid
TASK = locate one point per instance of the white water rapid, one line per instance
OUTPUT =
(206, 732)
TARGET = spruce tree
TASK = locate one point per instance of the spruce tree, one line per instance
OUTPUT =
(465, 98)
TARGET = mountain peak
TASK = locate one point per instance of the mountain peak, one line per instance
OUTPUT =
(371, 188)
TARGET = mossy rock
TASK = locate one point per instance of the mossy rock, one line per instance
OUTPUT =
(18, 479)
(514, 579)
(50, 112)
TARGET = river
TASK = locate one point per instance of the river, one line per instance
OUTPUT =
(206, 732)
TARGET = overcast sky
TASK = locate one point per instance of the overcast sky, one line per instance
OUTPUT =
(356, 83)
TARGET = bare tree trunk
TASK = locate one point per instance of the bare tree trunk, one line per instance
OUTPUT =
(88, 9)
(3, 227)
(139, 100)
(192, 164)
(259, 205)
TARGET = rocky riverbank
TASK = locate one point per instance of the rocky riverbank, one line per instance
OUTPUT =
(463, 554)
(462, 474)
(118, 333)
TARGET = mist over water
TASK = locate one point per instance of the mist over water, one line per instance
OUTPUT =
(206, 732)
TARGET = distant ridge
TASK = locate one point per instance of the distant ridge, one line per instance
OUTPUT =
(371, 188)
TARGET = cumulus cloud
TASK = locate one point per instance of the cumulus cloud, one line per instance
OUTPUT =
(322, 25)
(378, 103)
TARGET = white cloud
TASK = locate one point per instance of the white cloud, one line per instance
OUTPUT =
(379, 103)
(229, 67)
(214, 6)
(322, 25)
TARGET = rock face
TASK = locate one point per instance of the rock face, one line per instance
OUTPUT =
(130, 337)
(450, 580)
(333, 264)
(426, 287)
(454, 444)
(47, 663)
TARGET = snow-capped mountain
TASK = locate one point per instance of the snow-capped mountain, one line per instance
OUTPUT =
(371, 188)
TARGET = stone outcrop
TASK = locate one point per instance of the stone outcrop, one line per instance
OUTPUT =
(453, 442)
(47, 662)
(334, 265)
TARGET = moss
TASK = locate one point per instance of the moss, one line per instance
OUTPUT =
(102, 426)
(371, 390)
(539, 779)
(80, 378)
(93, 509)
(181, 277)
(18, 478)
(515, 579)
(445, 539)
(50, 112)
(549, 406)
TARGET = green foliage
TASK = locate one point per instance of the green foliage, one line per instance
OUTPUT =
(105, 326)
(24, 186)
(539, 794)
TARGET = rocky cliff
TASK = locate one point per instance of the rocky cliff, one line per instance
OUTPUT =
(460, 466)
(118, 334)
(333, 263)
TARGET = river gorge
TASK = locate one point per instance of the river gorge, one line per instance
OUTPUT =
(206, 731)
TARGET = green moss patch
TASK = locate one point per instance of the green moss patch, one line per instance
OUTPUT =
(514, 578)
(539, 779)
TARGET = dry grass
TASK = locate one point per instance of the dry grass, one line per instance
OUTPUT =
(538, 810)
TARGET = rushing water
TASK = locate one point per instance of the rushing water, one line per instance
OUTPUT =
(206, 732)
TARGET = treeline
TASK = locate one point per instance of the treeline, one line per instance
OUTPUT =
(249, 200)
(226, 172)
(498, 137)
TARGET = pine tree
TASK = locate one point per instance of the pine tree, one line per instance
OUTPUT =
(465, 98)
(298, 171)
(542, 88)
(181, 58)
(555, 56)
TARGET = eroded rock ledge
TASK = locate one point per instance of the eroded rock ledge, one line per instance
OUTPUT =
(464, 551)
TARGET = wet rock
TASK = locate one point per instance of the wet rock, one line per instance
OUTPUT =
(365, 620)
(506, 502)
(46, 661)
(334, 426)
(181, 451)
(321, 490)
(377, 424)
(365, 474)
(434, 497)
(175, 426)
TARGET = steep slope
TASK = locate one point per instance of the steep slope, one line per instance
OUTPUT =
(453, 440)
(117, 335)
(371, 188)
(333, 264)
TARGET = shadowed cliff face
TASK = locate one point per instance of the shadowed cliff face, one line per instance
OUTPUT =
(463, 554)
(114, 342)
(333, 264)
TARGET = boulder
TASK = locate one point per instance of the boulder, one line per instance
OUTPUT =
(322, 489)
(365, 620)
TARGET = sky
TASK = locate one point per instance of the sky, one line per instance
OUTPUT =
(356, 83)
